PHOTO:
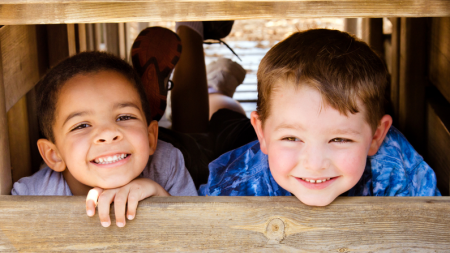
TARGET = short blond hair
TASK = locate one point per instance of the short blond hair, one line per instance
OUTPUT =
(342, 68)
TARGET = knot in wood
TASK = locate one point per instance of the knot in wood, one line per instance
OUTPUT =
(275, 230)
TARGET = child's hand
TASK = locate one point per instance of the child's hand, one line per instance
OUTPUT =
(132, 193)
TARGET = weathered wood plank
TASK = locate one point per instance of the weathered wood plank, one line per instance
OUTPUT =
(412, 80)
(260, 224)
(19, 140)
(5, 163)
(438, 138)
(395, 62)
(440, 55)
(20, 61)
(53, 12)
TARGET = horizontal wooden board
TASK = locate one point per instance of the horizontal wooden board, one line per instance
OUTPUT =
(440, 55)
(230, 224)
(20, 61)
(50, 12)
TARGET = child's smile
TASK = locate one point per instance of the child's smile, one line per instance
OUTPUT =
(314, 152)
(101, 132)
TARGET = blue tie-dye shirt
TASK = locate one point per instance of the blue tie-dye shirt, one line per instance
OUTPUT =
(395, 170)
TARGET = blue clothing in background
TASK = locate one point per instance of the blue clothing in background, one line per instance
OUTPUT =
(395, 170)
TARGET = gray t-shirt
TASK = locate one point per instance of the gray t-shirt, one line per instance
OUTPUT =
(165, 167)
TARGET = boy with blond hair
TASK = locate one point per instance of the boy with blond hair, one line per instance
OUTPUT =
(322, 128)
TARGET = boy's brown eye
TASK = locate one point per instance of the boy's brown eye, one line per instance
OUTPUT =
(290, 138)
(340, 140)
(80, 126)
(125, 117)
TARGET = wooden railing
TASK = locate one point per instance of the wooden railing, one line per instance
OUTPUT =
(226, 224)
(230, 224)
(94, 11)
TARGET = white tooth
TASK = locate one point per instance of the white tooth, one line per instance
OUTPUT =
(123, 155)
(100, 160)
(109, 159)
(96, 161)
(319, 181)
(312, 181)
(115, 157)
(307, 180)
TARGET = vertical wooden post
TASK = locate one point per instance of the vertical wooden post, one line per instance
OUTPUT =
(412, 80)
(395, 61)
(372, 33)
(71, 39)
(90, 37)
(5, 163)
(97, 36)
(112, 38)
(82, 37)
(122, 42)
(19, 140)
(351, 25)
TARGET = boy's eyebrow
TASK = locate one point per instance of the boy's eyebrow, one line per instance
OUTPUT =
(75, 114)
(289, 126)
(337, 131)
(346, 131)
(116, 106)
(126, 104)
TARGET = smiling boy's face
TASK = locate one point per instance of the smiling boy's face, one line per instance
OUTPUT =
(101, 134)
(314, 152)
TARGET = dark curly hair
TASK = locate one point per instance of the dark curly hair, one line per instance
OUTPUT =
(50, 86)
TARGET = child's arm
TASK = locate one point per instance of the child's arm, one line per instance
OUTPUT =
(132, 193)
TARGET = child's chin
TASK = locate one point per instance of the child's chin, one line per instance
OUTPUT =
(317, 201)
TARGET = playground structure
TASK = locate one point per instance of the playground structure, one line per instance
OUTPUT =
(37, 34)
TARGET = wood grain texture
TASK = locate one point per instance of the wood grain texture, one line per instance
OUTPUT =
(19, 140)
(440, 55)
(231, 224)
(395, 62)
(412, 80)
(5, 163)
(438, 138)
(20, 61)
(53, 12)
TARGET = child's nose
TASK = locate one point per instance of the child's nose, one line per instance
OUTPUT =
(314, 158)
(107, 135)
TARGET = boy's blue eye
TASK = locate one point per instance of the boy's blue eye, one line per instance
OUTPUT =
(80, 126)
(125, 117)
(340, 140)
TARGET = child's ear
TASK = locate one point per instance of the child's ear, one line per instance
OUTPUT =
(51, 155)
(257, 125)
(153, 136)
(380, 133)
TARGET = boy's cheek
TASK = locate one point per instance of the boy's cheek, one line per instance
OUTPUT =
(352, 162)
(282, 161)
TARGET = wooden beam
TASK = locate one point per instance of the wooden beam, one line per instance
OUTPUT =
(82, 37)
(440, 55)
(438, 138)
(122, 41)
(236, 224)
(112, 38)
(19, 140)
(71, 41)
(55, 12)
(5, 163)
(372, 34)
(395, 62)
(412, 80)
(20, 61)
